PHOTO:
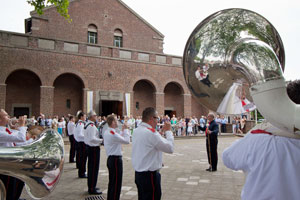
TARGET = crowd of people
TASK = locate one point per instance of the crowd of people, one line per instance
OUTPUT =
(180, 126)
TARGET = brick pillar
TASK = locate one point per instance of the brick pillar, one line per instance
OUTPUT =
(84, 99)
(160, 103)
(187, 105)
(2, 95)
(47, 100)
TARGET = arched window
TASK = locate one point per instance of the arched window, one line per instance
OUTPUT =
(118, 38)
(92, 34)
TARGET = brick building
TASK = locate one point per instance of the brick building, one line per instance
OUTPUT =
(108, 59)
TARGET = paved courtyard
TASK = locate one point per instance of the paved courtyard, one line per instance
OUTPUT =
(183, 175)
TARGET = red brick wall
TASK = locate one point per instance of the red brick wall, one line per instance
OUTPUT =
(174, 98)
(92, 72)
(107, 15)
(144, 94)
(197, 109)
(23, 87)
(67, 86)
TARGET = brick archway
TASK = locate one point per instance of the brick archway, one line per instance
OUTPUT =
(75, 73)
(143, 96)
(68, 94)
(150, 80)
(181, 85)
(173, 99)
(23, 93)
(6, 73)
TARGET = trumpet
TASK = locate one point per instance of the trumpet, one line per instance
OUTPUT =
(15, 123)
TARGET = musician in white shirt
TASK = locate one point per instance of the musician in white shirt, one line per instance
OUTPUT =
(9, 138)
(81, 154)
(269, 156)
(71, 127)
(92, 141)
(147, 148)
(113, 146)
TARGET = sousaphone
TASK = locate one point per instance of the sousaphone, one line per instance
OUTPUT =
(233, 62)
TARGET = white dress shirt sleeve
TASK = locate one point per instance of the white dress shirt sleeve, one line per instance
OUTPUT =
(71, 127)
(80, 132)
(236, 156)
(93, 137)
(15, 136)
(165, 145)
(123, 138)
(29, 141)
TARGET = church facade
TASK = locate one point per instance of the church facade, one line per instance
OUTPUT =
(108, 58)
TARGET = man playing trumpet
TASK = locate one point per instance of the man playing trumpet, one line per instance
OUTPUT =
(9, 138)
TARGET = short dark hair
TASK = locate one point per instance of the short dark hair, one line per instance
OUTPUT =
(80, 114)
(71, 117)
(293, 90)
(148, 113)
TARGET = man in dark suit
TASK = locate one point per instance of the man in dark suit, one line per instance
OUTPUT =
(211, 133)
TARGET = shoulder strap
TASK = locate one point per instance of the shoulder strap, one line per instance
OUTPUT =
(80, 122)
(85, 127)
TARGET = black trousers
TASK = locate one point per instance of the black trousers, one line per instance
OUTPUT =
(212, 150)
(13, 187)
(115, 168)
(223, 128)
(148, 185)
(93, 166)
(72, 148)
(77, 154)
(82, 157)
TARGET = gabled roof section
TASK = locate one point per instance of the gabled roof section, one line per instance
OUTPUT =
(123, 4)
(143, 20)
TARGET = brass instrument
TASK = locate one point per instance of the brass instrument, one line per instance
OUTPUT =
(233, 62)
(39, 164)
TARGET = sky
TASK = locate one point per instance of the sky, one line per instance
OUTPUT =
(176, 19)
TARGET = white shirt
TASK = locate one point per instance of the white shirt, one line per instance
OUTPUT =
(147, 148)
(29, 141)
(138, 121)
(8, 136)
(71, 128)
(271, 163)
(113, 141)
(64, 124)
(78, 131)
(49, 122)
(91, 135)
(60, 125)
(51, 177)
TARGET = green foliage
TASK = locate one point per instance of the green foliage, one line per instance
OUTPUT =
(61, 6)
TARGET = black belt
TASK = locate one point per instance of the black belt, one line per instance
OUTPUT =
(146, 172)
(115, 156)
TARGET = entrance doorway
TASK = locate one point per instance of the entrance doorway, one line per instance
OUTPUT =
(21, 111)
(109, 107)
(170, 113)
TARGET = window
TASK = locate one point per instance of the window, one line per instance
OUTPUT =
(68, 103)
(137, 105)
(92, 34)
(118, 38)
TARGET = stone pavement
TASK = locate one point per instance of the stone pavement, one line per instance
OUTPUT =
(183, 176)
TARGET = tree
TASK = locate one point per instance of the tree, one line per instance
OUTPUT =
(61, 6)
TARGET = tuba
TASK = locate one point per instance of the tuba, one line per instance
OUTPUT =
(233, 63)
(39, 165)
